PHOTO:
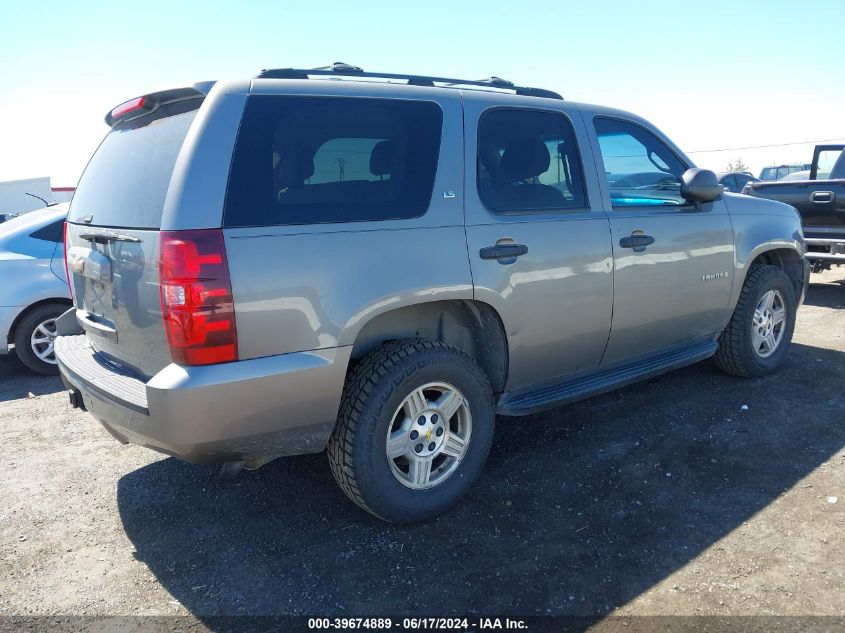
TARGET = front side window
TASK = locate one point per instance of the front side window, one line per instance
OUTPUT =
(528, 161)
(641, 170)
(303, 160)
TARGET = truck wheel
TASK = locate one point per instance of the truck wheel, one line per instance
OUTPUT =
(415, 427)
(34, 337)
(760, 330)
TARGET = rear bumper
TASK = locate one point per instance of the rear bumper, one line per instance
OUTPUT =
(829, 250)
(252, 409)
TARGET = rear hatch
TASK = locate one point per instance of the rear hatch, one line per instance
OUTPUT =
(112, 241)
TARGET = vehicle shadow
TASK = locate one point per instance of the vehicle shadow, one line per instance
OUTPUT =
(16, 381)
(826, 293)
(578, 510)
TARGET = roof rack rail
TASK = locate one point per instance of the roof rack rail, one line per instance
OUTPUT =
(339, 69)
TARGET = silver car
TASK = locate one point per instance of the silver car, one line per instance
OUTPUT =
(33, 285)
(379, 264)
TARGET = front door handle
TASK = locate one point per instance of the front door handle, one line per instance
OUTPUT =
(503, 251)
(637, 242)
(822, 197)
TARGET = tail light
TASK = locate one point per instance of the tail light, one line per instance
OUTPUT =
(67, 270)
(196, 297)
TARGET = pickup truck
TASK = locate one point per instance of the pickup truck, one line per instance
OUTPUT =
(821, 202)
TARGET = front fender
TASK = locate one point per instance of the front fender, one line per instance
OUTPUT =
(761, 226)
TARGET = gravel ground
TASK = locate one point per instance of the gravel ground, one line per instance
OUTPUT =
(695, 493)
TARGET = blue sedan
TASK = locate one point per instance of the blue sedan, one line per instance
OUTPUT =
(33, 285)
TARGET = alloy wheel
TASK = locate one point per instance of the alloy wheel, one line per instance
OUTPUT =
(42, 340)
(428, 435)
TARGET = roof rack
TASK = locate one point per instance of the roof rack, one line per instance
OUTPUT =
(339, 69)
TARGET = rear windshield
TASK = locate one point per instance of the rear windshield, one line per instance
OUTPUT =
(302, 160)
(126, 181)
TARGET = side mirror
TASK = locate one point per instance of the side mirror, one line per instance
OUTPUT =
(700, 185)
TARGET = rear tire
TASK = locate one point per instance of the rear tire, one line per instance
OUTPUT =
(414, 430)
(758, 335)
(33, 338)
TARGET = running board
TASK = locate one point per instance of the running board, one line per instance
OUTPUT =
(526, 402)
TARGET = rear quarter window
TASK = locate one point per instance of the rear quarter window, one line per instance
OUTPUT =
(304, 160)
(53, 232)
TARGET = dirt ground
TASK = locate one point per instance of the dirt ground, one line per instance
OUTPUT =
(695, 493)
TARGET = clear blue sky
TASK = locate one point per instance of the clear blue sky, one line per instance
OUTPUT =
(717, 74)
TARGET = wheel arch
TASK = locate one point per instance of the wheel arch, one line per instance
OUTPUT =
(784, 256)
(471, 326)
(10, 335)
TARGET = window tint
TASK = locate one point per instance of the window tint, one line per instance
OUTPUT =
(640, 169)
(730, 182)
(53, 232)
(528, 161)
(302, 160)
(127, 179)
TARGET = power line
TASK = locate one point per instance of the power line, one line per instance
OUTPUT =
(736, 149)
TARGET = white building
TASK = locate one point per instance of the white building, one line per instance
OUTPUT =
(14, 198)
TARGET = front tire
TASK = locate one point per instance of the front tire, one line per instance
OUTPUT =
(414, 430)
(760, 330)
(34, 337)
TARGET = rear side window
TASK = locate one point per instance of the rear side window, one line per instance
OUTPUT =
(304, 160)
(126, 181)
(528, 161)
(741, 181)
(730, 183)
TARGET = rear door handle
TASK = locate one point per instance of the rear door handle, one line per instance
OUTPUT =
(637, 242)
(503, 251)
(822, 197)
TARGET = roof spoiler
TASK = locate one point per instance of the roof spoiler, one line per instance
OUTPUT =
(142, 106)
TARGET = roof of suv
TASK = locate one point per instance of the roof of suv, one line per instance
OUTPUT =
(342, 71)
(327, 77)
(350, 80)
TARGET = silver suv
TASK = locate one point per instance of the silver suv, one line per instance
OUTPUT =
(379, 264)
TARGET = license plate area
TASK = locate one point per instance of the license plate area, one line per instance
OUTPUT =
(90, 264)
